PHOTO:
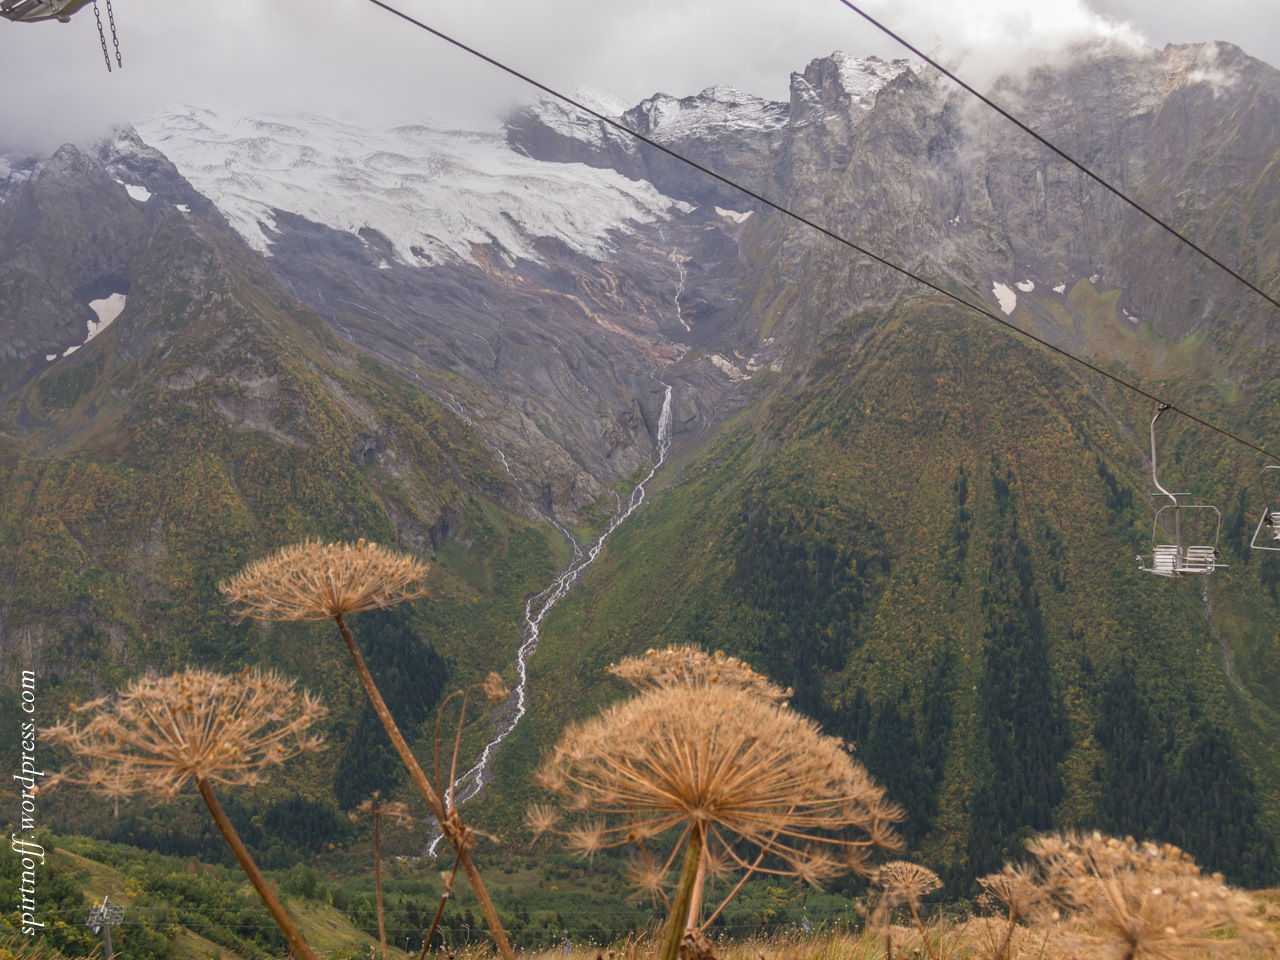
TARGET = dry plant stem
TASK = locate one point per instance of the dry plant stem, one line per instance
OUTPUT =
(377, 878)
(695, 905)
(435, 921)
(424, 787)
(296, 943)
(924, 936)
(683, 898)
(1003, 952)
(457, 742)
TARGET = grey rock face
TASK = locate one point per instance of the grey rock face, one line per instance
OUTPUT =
(67, 235)
(721, 128)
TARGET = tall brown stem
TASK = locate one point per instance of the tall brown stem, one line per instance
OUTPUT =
(377, 875)
(296, 943)
(435, 921)
(695, 904)
(924, 936)
(487, 908)
(1003, 952)
(683, 899)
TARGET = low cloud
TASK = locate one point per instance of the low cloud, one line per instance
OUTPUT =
(354, 61)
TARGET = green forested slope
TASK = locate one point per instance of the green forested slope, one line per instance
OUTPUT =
(932, 540)
(216, 421)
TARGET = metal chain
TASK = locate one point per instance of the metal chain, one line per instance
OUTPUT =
(102, 36)
(111, 19)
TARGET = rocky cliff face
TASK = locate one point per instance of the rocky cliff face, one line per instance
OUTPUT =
(896, 159)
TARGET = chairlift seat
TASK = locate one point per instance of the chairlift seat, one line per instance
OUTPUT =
(1200, 560)
(1165, 559)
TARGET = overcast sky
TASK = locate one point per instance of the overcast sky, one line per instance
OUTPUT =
(349, 59)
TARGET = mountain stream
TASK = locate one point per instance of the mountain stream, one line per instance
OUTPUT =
(511, 710)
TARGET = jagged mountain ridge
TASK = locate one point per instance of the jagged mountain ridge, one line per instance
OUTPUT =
(972, 201)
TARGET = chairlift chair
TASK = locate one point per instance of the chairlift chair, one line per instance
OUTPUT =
(29, 11)
(1267, 534)
(1173, 559)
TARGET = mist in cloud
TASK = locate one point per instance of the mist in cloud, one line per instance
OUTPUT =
(353, 61)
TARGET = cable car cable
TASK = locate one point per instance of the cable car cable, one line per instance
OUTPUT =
(800, 218)
(1058, 150)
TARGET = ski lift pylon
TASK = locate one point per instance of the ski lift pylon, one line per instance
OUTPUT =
(1267, 534)
(1173, 559)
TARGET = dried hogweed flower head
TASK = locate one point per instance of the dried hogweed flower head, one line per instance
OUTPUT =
(1145, 900)
(315, 581)
(495, 690)
(1016, 888)
(708, 753)
(694, 670)
(904, 882)
(200, 725)
(728, 762)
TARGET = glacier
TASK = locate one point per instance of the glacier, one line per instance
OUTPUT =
(433, 192)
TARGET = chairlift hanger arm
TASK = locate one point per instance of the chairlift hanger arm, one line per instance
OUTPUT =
(1160, 408)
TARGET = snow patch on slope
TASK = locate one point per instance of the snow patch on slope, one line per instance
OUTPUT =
(1008, 299)
(432, 192)
(107, 310)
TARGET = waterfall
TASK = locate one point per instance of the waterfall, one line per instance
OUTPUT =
(511, 710)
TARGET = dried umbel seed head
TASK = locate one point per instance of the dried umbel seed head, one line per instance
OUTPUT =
(1016, 888)
(904, 882)
(393, 811)
(495, 690)
(1143, 899)
(693, 669)
(730, 762)
(162, 732)
(315, 581)
(540, 818)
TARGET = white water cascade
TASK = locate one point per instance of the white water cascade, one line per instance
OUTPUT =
(510, 712)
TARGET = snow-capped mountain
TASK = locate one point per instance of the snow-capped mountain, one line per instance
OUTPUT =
(433, 193)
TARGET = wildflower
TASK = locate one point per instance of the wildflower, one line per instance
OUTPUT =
(694, 670)
(314, 581)
(197, 725)
(903, 882)
(1017, 889)
(495, 690)
(398, 814)
(1141, 900)
(722, 763)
